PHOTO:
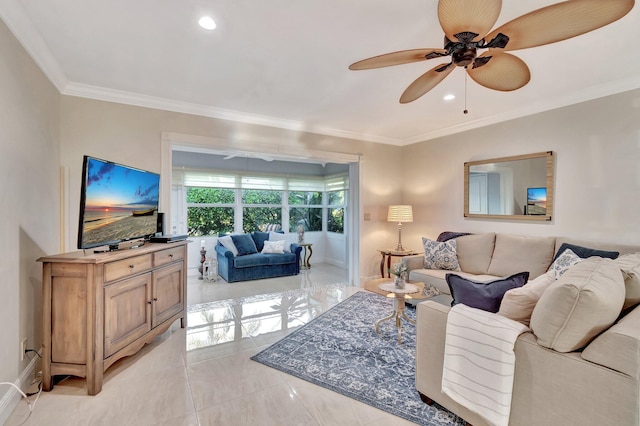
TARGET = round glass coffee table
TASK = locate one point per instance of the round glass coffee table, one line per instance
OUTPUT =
(399, 295)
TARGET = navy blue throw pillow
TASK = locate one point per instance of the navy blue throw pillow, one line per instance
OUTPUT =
(585, 252)
(244, 243)
(483, 295)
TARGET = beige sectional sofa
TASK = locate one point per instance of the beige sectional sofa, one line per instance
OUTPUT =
(558, 380)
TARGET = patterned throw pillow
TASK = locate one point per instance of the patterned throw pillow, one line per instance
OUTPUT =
(565, 261)
(440, 255)
(273, 247)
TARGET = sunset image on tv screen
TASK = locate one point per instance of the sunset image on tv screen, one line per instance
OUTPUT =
(120, 203)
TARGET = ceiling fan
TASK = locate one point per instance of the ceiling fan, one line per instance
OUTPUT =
(467, 25)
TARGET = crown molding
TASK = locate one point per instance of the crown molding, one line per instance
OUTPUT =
(19, 23)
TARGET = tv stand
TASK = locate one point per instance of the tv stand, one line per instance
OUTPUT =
(98, 308)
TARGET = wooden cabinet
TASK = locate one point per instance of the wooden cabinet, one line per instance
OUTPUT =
(98, 308)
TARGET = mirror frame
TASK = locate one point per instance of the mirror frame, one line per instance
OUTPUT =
(549, 182)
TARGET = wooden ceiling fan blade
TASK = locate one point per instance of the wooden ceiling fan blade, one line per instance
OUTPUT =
(426, 82)
(503, 71)
(460, 16)
(561, 21)
(397, 58)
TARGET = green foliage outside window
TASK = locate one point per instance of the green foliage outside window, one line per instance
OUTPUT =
(305, 198)
(335, 220)
(210, 195)
(254, 217)
(258, 196)
(208, 219)
(309, 217)
(336, 198)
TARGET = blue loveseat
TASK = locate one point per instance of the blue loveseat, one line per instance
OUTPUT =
(251, 264)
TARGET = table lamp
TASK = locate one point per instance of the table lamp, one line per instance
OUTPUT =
(400, 213)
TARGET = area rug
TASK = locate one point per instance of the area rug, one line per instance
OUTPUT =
(341, 351)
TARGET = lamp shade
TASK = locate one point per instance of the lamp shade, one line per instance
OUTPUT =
(400, 213)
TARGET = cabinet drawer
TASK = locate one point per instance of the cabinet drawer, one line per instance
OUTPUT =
(167, 256)
(126, 267)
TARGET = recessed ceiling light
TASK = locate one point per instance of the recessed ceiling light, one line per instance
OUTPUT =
(207, 23)
(449, 97)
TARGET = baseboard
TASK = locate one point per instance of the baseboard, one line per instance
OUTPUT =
(11, 399)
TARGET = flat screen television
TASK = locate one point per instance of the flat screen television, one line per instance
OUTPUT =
(117, 203)
(536, 201)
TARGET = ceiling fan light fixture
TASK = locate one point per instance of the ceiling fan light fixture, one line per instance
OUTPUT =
(207, 23)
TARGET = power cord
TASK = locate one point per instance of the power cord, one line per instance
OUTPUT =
(30, 404)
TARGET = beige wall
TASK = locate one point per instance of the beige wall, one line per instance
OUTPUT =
(132, 135)
(597, 177)
(29, 198)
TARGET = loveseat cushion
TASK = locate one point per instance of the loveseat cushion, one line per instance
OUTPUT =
(480, 295)
(518, 303)
(259, 238)
(515, 253)
(629, 264)
(585, 301)
(259, 259)
(475, 252)
(618, 347)
(244, 244)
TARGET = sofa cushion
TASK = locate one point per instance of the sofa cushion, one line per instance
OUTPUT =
(250, 260)
(278, 236)
(480, 295)
(518, 303)
(515, 253)
(280, 259)
(259, 238)
(629, 264)
(273, 247)
(562, 263)
(440, 255)
(586, 300)
(244, 243)
(619, 346)
(227, 242)
(585, 252)
(475, 251)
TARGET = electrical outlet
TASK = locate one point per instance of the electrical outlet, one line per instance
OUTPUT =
(23, 348)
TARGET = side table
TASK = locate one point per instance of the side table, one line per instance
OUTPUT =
(399, 296)
(387, 254)
(306, 255)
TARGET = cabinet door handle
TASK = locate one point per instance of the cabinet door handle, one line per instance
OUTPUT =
(171, 255)
(149, 302)
(155, 299)
(131, 266)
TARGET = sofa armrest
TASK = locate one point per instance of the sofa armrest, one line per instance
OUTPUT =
(223, 251)
(413, 262)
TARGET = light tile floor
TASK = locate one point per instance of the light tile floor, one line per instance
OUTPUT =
(202, 375)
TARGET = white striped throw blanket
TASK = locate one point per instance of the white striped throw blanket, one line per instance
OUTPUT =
(479, 362)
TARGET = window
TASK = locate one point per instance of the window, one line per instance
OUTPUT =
(223, 202)
(260, 208)
(335, 211)
(206, 211)
(309, 214)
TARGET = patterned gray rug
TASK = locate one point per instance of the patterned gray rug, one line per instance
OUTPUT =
(341, 351)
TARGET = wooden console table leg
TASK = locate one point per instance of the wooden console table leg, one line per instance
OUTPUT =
(388, 266)
(382, 266)
(308, 261)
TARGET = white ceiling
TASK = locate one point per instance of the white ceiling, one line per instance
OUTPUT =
(284, 63)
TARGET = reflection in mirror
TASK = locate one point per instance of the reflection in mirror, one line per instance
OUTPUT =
(519, 187)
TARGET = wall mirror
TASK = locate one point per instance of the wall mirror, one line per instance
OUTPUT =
(518, 187)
